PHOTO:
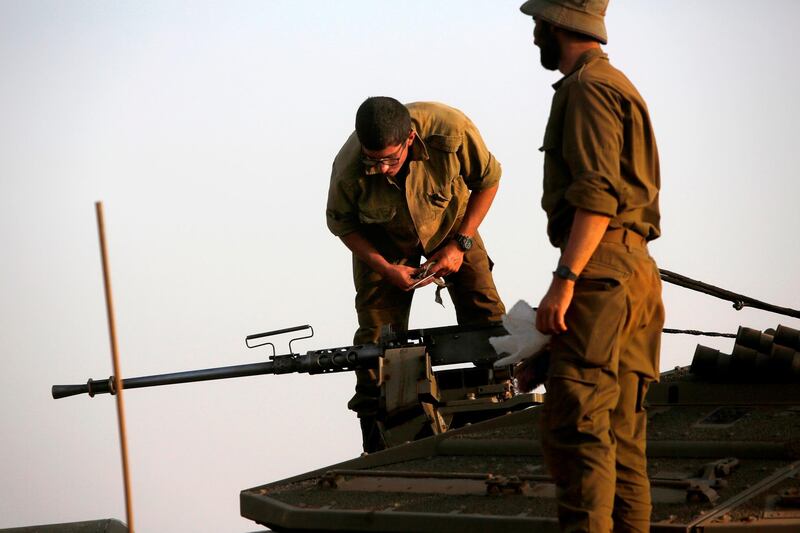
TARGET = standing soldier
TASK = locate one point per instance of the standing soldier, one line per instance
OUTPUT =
(603, 307)
(400, 189)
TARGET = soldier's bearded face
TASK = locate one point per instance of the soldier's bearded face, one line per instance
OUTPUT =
(549, 48)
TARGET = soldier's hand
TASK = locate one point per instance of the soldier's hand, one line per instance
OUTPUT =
(448, 260)
(553, 307)
(402, 276)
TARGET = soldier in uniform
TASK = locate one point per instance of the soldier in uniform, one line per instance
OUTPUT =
(603, 307)
(412, 181)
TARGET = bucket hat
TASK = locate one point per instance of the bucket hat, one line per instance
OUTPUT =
(581, 16)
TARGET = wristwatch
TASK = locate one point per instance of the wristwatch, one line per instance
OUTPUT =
(563, 272)
(464, 242)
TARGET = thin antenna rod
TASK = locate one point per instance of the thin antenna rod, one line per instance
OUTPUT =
(112, 330)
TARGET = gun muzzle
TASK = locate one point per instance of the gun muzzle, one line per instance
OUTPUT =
(91, 388)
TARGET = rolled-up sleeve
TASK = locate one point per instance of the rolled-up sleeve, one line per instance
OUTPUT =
(341, 212)
(479, 167)
(591, 148)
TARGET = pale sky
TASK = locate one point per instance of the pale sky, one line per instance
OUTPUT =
(208, 130)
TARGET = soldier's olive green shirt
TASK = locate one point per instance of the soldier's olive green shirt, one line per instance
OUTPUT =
(600, 152)
(448, 158)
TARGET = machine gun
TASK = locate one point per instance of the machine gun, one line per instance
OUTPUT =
(415, 400)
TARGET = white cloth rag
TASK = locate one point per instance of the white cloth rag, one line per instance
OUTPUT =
(523, 340)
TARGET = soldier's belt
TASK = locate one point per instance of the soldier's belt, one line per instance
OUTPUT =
(624, 236)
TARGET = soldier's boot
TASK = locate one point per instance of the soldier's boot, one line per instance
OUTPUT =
(365, 403)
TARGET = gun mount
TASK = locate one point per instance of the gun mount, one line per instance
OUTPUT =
(415, 400)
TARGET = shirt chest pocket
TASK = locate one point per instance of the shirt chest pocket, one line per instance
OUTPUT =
(377, 214)
(443, 169)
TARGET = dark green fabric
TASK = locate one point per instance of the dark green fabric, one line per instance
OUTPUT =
(600, 152)
(593, 422)
(601, 156)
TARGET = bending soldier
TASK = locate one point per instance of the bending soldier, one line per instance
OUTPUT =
(399, 191)
(603, 307)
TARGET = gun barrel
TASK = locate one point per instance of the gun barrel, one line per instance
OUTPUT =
(104, 386)
(314, 362)
(447, 345)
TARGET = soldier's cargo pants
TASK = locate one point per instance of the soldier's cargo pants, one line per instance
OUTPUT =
(379, 303)
(593, 421)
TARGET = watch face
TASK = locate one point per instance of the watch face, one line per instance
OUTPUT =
(464, 242)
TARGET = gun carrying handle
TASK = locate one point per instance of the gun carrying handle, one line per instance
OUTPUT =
(278, 332)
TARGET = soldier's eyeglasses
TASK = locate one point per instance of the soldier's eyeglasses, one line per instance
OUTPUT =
(390, 161)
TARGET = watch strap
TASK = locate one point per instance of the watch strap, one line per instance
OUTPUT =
(564, 272)
(464, 242)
